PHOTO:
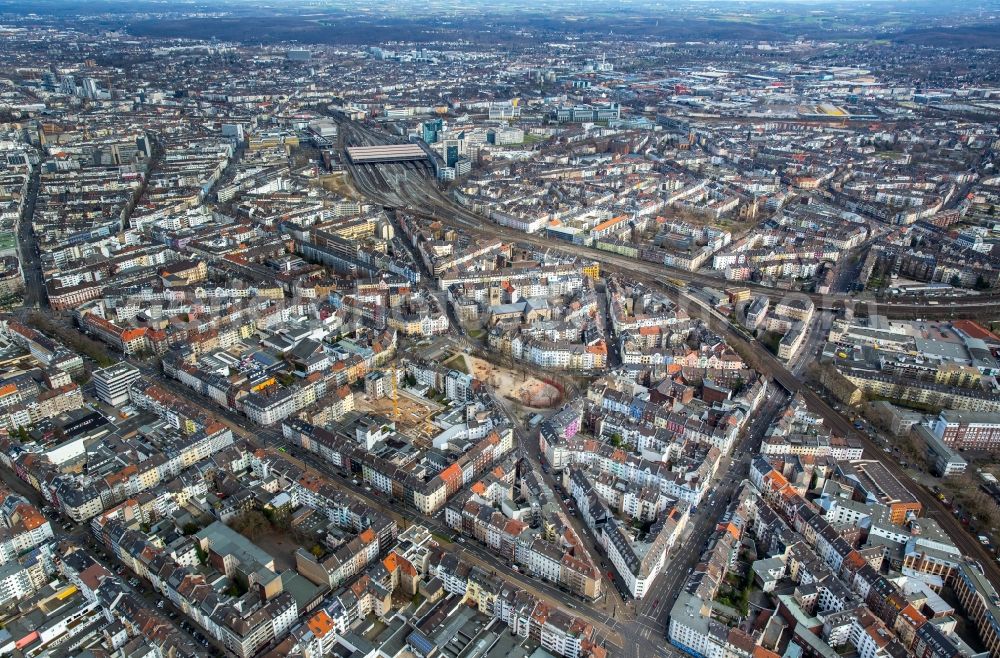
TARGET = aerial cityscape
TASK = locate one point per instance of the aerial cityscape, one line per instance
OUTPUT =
(424, 329)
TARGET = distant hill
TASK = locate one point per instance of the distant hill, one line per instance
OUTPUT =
(971, 36)
(366, 30)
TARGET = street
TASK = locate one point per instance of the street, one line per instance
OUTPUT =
(80, 535)
(272, 439)
(31, 265)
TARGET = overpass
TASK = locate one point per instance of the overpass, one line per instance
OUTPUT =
(420, 196)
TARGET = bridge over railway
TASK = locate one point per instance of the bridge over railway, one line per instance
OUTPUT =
(404, 183)
(406, 186)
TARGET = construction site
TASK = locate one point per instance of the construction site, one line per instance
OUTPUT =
(412, 413)
(522, 388)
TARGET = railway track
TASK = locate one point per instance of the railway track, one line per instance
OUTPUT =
(420, 195)
(423, 198)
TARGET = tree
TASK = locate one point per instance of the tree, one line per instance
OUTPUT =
(251, 525)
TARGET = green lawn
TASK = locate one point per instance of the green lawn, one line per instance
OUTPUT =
(457, 362)
(8, 240)
(441, 538)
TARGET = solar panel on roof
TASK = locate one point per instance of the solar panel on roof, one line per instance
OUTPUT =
(418, 641)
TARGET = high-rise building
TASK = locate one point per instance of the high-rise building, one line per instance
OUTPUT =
(112, 383)
(89, 88)
(234, 130)
(463, 167)
(452, 152)
(430, 130)
(68, 85)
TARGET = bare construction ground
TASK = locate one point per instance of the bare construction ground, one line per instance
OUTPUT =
(530, 392)
(340, 183)
(413, 411)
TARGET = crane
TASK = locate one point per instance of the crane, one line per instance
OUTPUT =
(395, 394)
